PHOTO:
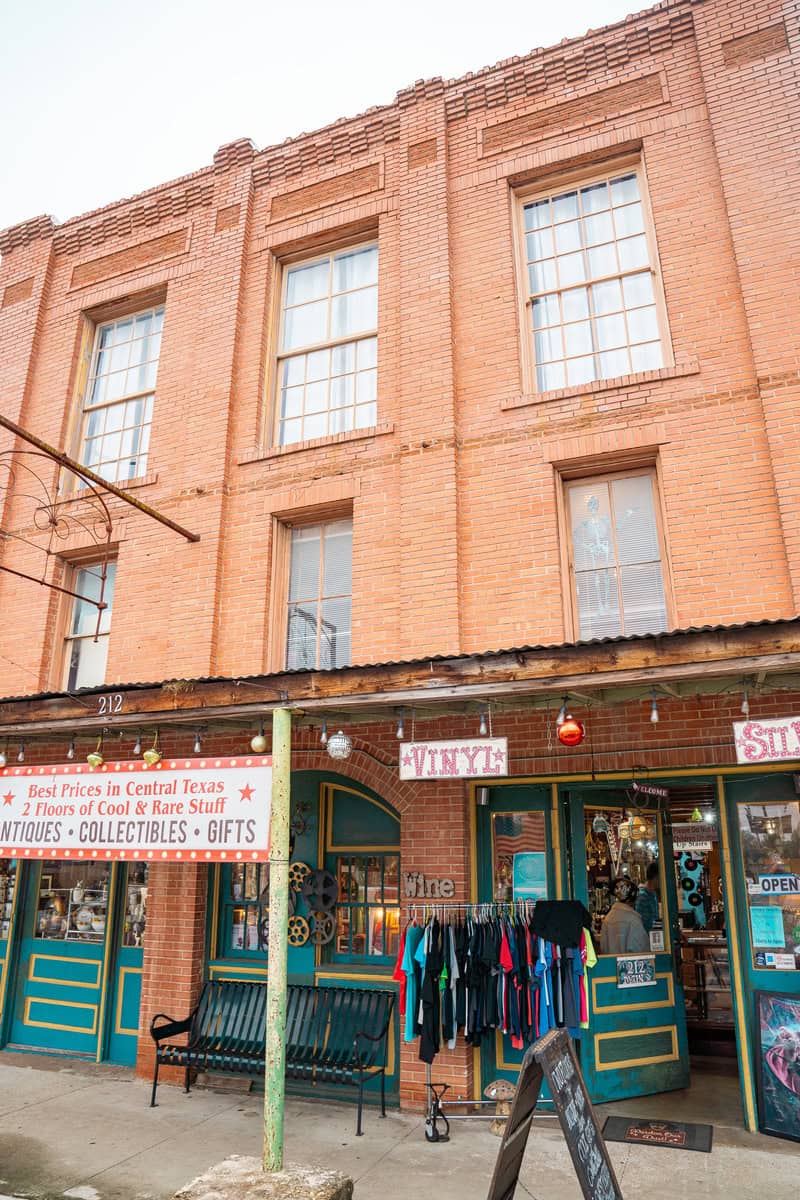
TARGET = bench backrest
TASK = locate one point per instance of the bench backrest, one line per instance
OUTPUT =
(321, 1023)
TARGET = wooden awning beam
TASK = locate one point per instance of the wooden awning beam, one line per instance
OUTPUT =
(374, 691)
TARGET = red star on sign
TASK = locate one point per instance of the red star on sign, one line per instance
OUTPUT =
(8, 798)
(247, 793)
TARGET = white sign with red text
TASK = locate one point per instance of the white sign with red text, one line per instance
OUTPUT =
(203, 809)
(465, 758)
(773, 740)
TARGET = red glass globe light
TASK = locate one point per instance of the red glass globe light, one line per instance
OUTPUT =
(571, 732)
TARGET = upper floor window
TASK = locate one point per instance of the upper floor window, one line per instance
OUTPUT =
(616, 555)
(86, 642)
(328, 356)
(593, 296)
(118, 406)
(320, 596)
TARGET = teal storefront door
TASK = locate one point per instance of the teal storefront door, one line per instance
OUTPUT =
(763, 835)
(55, 996)
(519, 820)
(636, 1043)
(126, 951)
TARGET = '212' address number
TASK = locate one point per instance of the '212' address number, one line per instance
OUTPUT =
(109, 704)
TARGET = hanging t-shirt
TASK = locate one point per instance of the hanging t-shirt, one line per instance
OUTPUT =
(413, 974)
(399, 974)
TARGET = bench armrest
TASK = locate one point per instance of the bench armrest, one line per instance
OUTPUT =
(172, 1027)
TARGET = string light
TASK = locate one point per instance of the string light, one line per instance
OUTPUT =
(562, 713)
(197, 743)
(323, 737)
(71, 750)
(3, 757)
(258, 743)
(745, 703)
(137, 745)
(654, 709)
(482, 728)
(21, 755)
(401, 733)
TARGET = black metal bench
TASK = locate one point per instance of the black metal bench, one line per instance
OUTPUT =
(333, 1035)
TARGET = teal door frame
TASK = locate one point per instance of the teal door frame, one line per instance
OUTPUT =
(637, 1043)
(752, 789)
(498, 1058)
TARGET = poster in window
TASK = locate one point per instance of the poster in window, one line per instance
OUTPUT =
(778, 1064)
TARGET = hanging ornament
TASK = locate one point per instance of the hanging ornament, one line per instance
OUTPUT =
(571, 732)
(258, 743)
(600, 823)
(95, 759)
(696, 815)
(153, 756)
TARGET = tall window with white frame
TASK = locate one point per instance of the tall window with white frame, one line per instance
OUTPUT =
(328, 346)
(617, 556)
(594, 300)
(118, 405)
(320, 596)
(86, 642)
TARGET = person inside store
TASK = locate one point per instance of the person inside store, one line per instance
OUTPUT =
(647, 897)
(623, 931)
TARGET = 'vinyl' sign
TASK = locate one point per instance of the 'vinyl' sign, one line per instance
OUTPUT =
(767, 741)
(467, 758)
(209, 810)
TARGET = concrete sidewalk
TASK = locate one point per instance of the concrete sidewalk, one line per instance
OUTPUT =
(70, 1129)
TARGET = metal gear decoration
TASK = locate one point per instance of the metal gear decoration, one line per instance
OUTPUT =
(323, 926)
(298, 873)
(320, 890)
(298, 931)
(263, 931)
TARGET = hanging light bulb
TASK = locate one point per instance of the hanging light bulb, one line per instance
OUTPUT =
(654, 709)
(258, 743)
(95, 758)
(401, 732)
(482, 727)
(21, 755)
(562, 713)
(153, 755)
(71, 749)
(197, 744)
(709, 818)
(137, 745)
(323, 737)
(745, 703)
(3, 757)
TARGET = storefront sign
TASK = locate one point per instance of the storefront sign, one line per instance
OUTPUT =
(636, 971)
(467, 758)
(214, 810)
(416, 885)
(779, 885)
(693, 837)
(650, 789)
(766, 922)
(767, 741)
(530, 875)
(781, 962)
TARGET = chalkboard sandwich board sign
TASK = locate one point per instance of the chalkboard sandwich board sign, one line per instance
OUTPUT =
(553, 1058)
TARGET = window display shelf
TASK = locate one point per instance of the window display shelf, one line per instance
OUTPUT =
(61, 917)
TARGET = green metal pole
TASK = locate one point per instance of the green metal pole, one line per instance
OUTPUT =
(275, 1067)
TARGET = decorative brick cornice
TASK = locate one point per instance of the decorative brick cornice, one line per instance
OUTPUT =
(606, 51)
(28, 231)
(234, 154)
(342, 140)
(124, 219)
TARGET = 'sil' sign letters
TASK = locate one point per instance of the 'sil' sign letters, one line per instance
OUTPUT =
(767, 741)
(466, 758)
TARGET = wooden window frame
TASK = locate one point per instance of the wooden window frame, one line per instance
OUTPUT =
(628, 468)
(278, 608)
(64, 639)
(545, 188)
(281, 274)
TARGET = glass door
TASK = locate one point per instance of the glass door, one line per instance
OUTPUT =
(515, 861)
(636, 1043)
(126, 973)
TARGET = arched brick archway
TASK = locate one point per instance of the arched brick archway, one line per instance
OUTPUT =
(364, 766)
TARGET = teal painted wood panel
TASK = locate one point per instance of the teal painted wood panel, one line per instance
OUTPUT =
(57, 996)
(123, 1015)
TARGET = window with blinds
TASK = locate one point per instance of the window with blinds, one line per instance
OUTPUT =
(320, 596)
(616, 555)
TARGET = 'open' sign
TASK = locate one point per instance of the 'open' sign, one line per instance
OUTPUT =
(779, 885)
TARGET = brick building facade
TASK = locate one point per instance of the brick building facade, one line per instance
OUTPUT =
(664, 358)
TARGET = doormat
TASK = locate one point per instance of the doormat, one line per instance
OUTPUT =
(676, 1134)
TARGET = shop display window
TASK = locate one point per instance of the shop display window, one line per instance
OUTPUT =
(519, 855)
(135, 918)
(8, 880)
(368, 908)
(770, 841)
(73, 901)
(245, 909)
(621, 843)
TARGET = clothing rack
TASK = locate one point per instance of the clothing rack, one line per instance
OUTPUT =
(488, 908)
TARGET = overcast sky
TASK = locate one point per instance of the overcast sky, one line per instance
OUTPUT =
(100, 99)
